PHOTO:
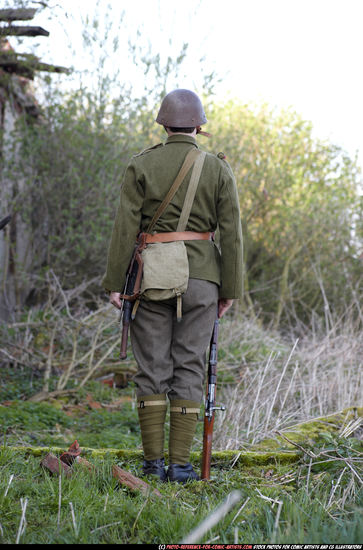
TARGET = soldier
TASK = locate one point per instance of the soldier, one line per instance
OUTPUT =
(171, 355)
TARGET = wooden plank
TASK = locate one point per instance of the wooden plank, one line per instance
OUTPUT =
(20, 14)
(26, 64)
(53, 464)
(133, 482)
(20, 30)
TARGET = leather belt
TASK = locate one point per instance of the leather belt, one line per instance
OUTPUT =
(177, 236)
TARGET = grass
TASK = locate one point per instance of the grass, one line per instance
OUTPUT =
(61, 421)
(303, 486)
(282, 500)
(104, 513)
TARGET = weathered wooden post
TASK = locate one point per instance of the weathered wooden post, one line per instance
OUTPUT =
(17, 239)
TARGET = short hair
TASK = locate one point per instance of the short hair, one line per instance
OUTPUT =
(183, 130)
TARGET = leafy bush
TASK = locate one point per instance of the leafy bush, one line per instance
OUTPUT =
(301, 211)
(32, 416)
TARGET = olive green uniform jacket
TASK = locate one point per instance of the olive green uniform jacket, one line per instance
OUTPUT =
(147, 180)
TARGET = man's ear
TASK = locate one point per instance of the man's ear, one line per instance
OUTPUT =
(200, 131)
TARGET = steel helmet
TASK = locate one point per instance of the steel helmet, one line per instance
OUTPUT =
(181, 109)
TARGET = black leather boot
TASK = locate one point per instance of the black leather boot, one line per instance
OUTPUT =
(155, 467)
(181, 473)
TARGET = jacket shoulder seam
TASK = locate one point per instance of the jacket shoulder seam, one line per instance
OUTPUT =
(148, 149)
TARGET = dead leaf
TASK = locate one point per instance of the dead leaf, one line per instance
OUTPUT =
(72, 410)
(92, 403)
(108, 382)
(68, 457)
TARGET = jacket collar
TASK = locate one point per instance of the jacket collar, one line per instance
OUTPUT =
(181, 138)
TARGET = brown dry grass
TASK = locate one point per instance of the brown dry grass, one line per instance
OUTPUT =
(285, 382)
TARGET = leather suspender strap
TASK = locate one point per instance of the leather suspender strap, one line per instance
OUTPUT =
(188, 162)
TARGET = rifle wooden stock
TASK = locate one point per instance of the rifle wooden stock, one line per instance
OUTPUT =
(131, 293)
(207, 447)
(210, 403)
(125, 329)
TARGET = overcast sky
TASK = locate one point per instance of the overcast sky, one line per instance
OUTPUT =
(306, 54)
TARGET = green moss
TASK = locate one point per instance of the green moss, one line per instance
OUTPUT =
(242, 459)
(272, 463)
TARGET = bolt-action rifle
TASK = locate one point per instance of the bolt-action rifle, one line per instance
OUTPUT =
(130, 297)
(210, 402)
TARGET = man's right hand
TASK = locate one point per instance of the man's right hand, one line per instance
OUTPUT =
(115, 299)
(223, 306)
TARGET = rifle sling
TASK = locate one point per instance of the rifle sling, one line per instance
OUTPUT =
(190, 159)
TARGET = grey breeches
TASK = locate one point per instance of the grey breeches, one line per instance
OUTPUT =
(171, 355)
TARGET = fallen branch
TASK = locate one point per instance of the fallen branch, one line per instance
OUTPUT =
(347, 462)
(309, 453)
(17, 361)
(43, 396)
(323, 453)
